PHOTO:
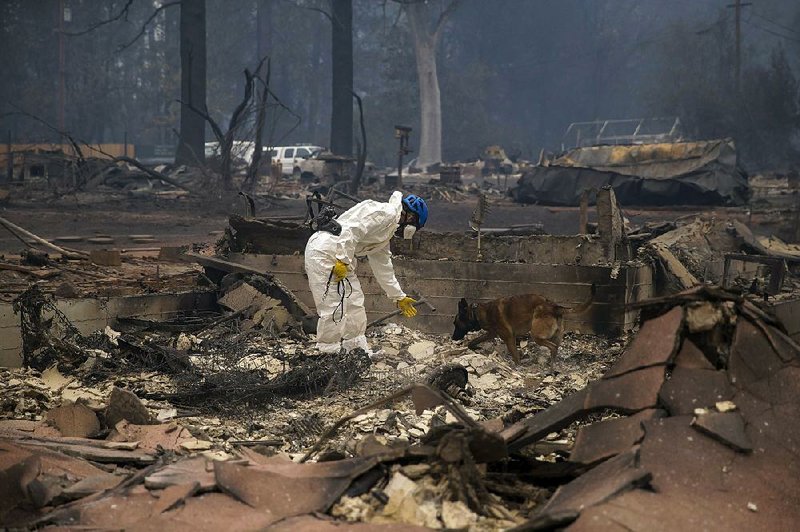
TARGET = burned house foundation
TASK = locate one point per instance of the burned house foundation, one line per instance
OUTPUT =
(205, 398)
(444, 267)
(450, 280)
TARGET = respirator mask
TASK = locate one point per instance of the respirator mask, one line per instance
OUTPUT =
(407, 225)
(406, 231)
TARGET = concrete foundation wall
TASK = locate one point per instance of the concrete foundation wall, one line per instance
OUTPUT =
(89, 315)
(532, 249)
(445, 282)
(286, 238)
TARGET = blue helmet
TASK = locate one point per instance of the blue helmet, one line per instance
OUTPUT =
(418, 206)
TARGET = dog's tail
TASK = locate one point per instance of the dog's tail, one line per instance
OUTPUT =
(583, 306)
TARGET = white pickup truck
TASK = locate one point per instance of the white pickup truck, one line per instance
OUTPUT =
(290, 157)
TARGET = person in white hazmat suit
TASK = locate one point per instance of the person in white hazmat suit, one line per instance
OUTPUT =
(330, 262)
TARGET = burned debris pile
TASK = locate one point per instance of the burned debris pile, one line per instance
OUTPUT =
(710, 385)
(226, 416)
(690, 425)
(720, 252)
(225, 384)
(218, 361)
(100, 274)
(678, 173)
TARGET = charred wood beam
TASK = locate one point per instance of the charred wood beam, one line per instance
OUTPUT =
(17, 230)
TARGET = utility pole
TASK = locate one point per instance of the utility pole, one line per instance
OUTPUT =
(737, 7)
(61, 66)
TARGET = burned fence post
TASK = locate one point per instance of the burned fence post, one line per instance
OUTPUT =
(583, 221)
(609, 221)
(402, 133)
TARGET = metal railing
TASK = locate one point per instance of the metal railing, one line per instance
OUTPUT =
(624, 131)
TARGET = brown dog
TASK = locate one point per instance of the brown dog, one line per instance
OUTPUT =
(515, 316)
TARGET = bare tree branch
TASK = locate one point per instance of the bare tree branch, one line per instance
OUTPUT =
(153, 173)
(155, 13)
(312, 8)
(51, 127)
(225, 139)
(446, 12)
(207, 117)
(298, 118)
(198, 162)
(113, 158)
(122, 13)
(318, 10)
(261, 112)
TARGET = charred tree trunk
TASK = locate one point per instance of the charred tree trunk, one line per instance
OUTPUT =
(261, 113)
(342, 54)
(426, 39)
(225, 139)
(430, 104)
(191, 144)
(237, 117)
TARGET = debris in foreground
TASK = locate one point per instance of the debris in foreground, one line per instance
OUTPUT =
(691, 426)
(717, 401)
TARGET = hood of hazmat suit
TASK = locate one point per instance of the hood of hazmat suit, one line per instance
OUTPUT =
(367, 229)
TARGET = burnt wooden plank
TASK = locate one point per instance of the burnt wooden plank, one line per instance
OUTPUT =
(554, 418)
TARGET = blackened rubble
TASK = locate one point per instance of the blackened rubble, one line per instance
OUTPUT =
(715, 455)
(200, 415)
(642, 456)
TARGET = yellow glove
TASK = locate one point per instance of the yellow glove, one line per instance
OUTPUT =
(406, 306)
(339, 271)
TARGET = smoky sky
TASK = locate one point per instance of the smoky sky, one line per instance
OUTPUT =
(511, 72)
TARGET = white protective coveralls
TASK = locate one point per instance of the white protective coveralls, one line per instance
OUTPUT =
(367, 228)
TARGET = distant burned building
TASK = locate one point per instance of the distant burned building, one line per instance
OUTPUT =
(671, 173)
